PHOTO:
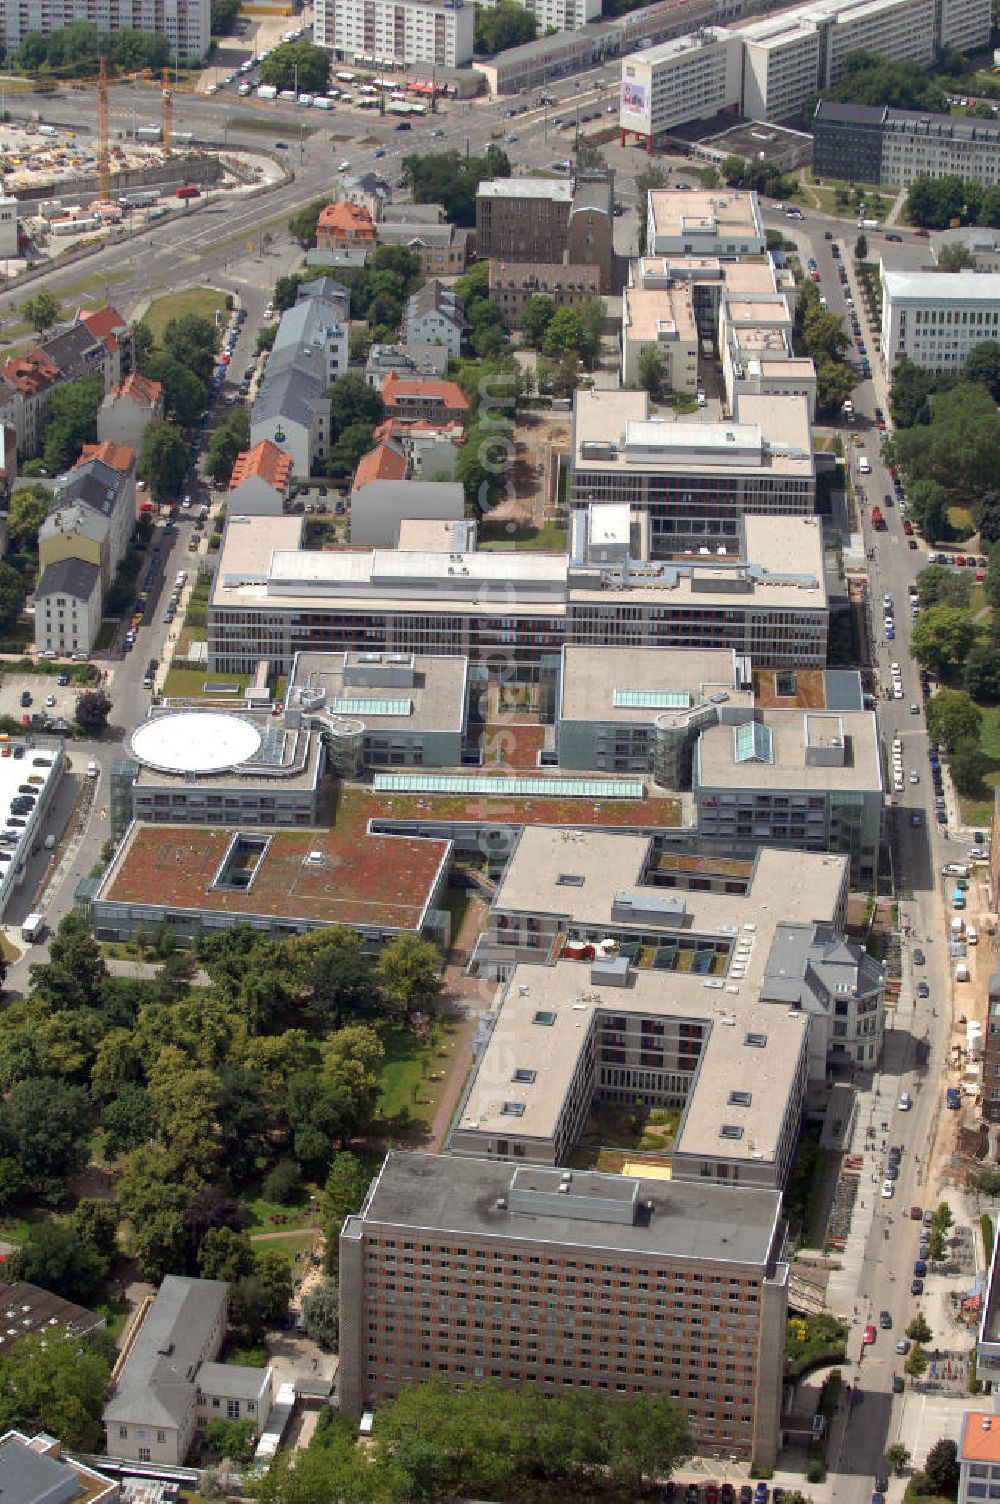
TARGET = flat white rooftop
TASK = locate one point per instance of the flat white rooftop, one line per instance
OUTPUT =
(555, 190)
(941, 288)
(195, 741)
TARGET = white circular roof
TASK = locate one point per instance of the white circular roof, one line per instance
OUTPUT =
(195, 741)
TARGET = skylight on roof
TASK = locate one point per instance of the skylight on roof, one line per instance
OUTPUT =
(730, 1130)
(754, 742)
(740, 1098)
(345, 705)
(512, 787)
(513, 1109)
(651, 699)
(756, 1041)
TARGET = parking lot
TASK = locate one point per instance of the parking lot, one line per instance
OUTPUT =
(41, 687)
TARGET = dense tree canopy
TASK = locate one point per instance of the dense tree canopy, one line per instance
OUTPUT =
(506, 25)
(451, 179)
(871, 78)
(297, 65)
(72, 422)
(76, 48)
(163, 461)
(960, 446)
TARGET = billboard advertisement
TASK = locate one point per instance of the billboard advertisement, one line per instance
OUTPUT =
(633, 98)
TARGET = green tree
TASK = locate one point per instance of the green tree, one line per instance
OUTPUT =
(897, 1456)
(835, 381)
(352, 1062)
(225, 1254)
(353, 401)
(223, 17)
(127, 1120)
(451, 179)
(92, 710)
(28, 509)
(55, 1382)
(55, 1256)
(654, 372)
(273, 1275)
(943, 1216)
(951, 716)
(193, 341)
(185, 393)
(909, 399)
(231, 438)
(163, 461)
(72, 422)
(297, 65)
(915, 1363)
(536, 318)
(506, 25)
(935, 202)
(936, 1245)
(230, 1440)
(321, 1314)
(12, 593)
(861, 248)
(918, 1330)
(42, 311)
(938, 586)
(982, 366)
(484, 464)
(351, 443)
(981, 674)
(942, 636)
(409, 973)
(302, 225)
(988, 515)
(75, 973)
(955, 258)
(929, 510)
(95, 1223)
(286, 290)
(283, 1184)
(345, 1189)
(941, 1468)
(47, 1121)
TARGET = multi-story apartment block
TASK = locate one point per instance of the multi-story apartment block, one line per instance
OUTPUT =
(433, 316)
(310, 351)
(876, 144)
(585, 1281)
(443, 249)
(766, 597)
(693, 482)
(935, 318)
(692, 77)
(91, 516)
(811, 780)
(396, 31)
(544, 222)
(768, 69)
(561, 15)
(186, 24)
(991, 1054)
(513, 284)
(344, 223)
(522, 219)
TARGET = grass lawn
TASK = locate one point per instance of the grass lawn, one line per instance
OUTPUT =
(550, 538)
(268, 1216)
(989, 734)
(407, 1072)
(299, 1242)
(456, 901)
(264, 125)
(962, 522)
(189, 683)
(200, 300)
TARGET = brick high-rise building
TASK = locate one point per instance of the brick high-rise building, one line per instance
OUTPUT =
(571, 1280)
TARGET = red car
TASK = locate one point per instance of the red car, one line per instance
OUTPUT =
(959, 559)
(980, 575)
(916, 1213)
(869, 1336)
(908, 528)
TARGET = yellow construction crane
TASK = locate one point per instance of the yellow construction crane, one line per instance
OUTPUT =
(168, 112)
(103, 151)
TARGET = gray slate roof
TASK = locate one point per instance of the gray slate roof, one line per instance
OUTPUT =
(73, 577)
(92, 484)
(809, 963)
(327, 288)
(156, 1387)
(74, 349)
(28, 1477)
(289, 393)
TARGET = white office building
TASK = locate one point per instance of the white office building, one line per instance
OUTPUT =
(689, 78)
(713, 222)
(781, 63)
(396, 31)
(935, 318)
(558, 15)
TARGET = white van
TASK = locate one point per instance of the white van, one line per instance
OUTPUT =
(971, 936)
(864, 465)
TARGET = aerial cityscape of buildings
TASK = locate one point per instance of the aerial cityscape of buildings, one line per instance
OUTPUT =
(623, 757)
